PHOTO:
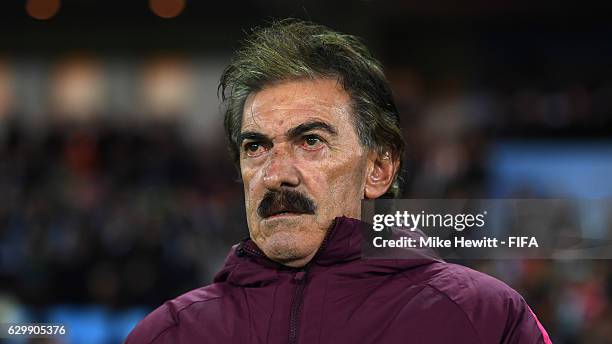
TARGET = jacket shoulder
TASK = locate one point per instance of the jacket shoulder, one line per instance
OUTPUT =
(495, 310)
(159, 326)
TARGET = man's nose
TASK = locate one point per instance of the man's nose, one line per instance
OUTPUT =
(280, 170)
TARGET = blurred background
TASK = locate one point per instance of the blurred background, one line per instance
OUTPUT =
(117, 193)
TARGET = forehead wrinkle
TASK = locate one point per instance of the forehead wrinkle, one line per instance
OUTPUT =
(261, 103)
(292, 102)
(300, 104)
(334, 109)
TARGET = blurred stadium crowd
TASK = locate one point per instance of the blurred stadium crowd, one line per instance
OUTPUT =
(116, 195)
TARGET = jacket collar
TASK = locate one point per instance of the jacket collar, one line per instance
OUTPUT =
(247, 265)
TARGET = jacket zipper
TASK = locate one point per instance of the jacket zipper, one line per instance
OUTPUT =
(300, 277)
(296, 305)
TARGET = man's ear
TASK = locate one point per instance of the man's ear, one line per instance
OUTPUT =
(381, 172)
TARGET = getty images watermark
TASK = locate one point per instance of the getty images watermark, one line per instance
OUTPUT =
(488, 228)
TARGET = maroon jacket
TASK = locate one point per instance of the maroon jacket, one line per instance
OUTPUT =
(340, 298)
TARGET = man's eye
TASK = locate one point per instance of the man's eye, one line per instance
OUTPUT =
(253, 148)
(312, 142)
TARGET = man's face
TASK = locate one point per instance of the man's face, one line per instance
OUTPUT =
(302, 165)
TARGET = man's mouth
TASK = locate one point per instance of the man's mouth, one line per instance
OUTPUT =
(282, 213)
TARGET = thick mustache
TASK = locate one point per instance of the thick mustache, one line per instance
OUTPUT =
(285, 201)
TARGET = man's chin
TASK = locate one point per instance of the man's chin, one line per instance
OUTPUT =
(287, 246)
(289, 237)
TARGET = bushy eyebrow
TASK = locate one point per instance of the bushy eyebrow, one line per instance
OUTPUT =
(292, 133)
(309, 126)
(252, 135)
